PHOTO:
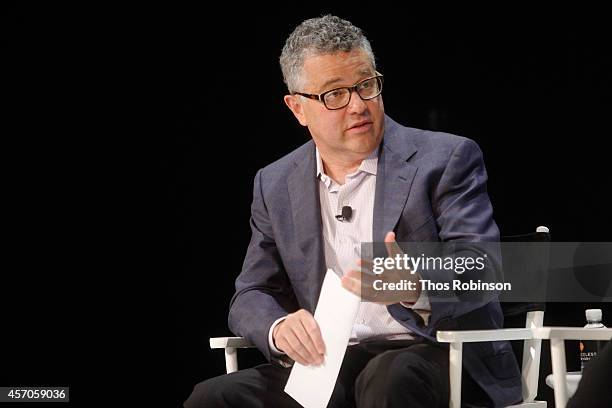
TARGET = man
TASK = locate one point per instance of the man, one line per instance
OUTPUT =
(401, 184)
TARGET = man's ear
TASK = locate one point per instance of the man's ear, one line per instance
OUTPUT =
(293, 102)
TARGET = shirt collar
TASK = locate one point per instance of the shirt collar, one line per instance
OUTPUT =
(368, 165)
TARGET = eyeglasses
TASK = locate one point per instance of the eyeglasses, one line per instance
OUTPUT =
(338, 98)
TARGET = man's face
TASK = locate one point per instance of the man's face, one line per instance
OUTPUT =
(352, 132)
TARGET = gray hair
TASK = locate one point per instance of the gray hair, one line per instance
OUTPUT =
(319, 36)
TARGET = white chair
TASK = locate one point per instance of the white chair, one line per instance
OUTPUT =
(230, 344)
(530, 370)
(533, 334)
(573, 379)
(531, 356)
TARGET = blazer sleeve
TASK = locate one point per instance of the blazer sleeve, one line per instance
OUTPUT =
(464, 214)
(263, 292)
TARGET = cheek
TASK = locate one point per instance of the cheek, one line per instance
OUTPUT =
(326, 122)
(378, 108)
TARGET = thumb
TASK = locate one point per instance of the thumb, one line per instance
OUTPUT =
(392, 247)
(390, 237)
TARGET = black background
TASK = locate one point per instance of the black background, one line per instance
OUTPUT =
(201, 91)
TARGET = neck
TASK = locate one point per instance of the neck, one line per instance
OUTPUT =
(338, 169)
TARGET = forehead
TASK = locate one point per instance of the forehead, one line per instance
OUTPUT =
(338, 69)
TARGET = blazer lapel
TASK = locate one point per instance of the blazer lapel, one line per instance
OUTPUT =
(393, 181)
(306, 210)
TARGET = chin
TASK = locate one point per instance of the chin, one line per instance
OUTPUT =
(365, 147)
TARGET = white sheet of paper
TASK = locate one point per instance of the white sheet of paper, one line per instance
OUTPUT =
(312, 386)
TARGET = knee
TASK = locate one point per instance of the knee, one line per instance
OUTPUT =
(404, 379)
(386, 371)
(209, 393)
(409, 368)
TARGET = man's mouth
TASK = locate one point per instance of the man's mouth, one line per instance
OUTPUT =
(361, 125)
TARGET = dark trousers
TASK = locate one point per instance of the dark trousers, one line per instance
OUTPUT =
(387, 373)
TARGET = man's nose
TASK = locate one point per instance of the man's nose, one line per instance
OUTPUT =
(356, 104)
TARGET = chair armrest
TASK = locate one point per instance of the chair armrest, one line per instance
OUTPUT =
(573, 379)
(230, 344)
(572, 333)
(233, 342)
(557, 336)
(470, 336)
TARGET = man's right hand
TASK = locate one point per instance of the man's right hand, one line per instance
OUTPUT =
(299, 337)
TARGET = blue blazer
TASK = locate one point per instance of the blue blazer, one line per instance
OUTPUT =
(430, 187)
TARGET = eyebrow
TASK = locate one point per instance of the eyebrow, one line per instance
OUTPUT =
(332, 81)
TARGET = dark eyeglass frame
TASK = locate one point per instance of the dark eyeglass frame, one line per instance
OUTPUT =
(321, 97)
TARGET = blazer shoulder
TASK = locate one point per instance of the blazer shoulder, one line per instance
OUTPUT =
(281, 168)
(425, 141)
(440, 141)
(441, 145)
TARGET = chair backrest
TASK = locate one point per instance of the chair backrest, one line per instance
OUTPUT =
(530, 258)
(527, 314)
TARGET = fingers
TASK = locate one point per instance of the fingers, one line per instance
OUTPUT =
(360, 284)
(351, 281)
(371, 288)
(366, 265)
(297, 351)
(300, 338)
(307, 344)
(314, 333)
